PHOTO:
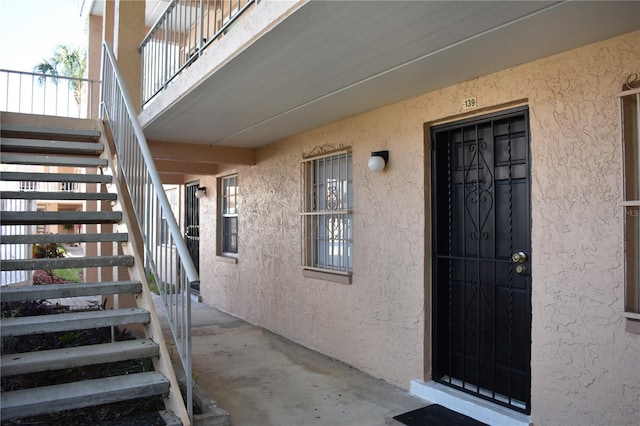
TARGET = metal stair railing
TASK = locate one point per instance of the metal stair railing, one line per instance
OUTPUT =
(167, 259)
(57, 95)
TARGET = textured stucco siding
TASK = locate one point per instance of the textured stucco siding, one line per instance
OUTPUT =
(586, 367)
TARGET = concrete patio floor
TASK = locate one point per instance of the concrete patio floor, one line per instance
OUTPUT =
(263, 379)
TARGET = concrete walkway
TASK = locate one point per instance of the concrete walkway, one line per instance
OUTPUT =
(263, 379)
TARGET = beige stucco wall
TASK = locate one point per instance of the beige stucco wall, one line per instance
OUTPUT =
(586, 367)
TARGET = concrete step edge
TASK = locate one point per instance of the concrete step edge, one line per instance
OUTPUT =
(22, 326)
(59, 217)
(65, 263)
(41, 146)
(63, 133)
(64, 238)
(86, 393)
(52, 160)
(54, 177)
(62, 195)
(59, 359)
(61, 291)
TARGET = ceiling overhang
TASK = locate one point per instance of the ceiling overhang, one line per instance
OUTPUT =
(328, 60)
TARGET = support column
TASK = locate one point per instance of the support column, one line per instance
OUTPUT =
(107, 21)
(129, 30)
(94, 55)
(94, 59)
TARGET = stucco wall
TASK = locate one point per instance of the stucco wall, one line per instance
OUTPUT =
(585, 365)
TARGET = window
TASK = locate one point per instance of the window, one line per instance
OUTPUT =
(327, 205)
(229, 215)
(631, 199)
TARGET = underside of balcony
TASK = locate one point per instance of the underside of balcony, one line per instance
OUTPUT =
(287, 67)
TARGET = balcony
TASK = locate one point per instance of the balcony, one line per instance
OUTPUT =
(286, 67)
(179, 37)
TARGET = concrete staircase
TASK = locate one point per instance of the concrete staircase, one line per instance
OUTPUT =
(77, 145)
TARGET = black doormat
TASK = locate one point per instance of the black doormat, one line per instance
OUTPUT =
(436, 415)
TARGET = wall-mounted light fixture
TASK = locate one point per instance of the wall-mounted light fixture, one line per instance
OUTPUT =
(378, 160)
(201, 192)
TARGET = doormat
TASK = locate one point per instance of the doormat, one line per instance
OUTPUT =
(436, 415)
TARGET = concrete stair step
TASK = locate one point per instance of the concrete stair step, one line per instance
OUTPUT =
(59, 359)
(59, 217)
(22, 326)
(54, 177)
(61, 291)
(39, 132)
(52, 160)
(63, 238)
(65, 263)
(63, 195)
(39, 146)
(81, 394)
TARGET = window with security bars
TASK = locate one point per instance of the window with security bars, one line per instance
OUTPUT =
(327, 210)
(229, 214)
(630, 101)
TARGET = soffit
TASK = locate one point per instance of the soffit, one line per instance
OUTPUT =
(153, 9)
(332, 60)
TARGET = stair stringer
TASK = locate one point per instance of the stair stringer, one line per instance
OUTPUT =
(174, 401)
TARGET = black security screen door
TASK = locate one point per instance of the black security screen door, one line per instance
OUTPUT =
(192, 226)
(482, 257)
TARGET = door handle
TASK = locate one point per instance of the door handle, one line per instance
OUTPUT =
(519, 257)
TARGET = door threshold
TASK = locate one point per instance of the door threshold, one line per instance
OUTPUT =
(469, 405)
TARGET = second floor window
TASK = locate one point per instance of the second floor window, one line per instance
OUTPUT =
(229, 215)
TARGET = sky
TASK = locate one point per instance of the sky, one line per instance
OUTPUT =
(30, 30)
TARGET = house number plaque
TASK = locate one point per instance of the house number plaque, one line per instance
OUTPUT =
(469, 103)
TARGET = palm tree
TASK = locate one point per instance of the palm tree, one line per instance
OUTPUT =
(65, 62)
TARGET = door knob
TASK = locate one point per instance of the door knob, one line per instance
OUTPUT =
(519, 257)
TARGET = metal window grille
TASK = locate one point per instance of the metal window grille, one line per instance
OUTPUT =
(229, 214)
(327, 213)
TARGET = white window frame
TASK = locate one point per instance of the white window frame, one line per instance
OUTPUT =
(228, 209)
(630, 134)
(327, 199)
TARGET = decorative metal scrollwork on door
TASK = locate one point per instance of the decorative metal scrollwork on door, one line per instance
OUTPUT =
(479, 190)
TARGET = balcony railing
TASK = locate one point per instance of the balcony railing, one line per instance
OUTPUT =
(32, 93)
(179, 37)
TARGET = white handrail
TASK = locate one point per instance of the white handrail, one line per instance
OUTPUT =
(174, 275)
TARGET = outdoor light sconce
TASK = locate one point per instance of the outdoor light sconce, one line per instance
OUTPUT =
(378, 160)
(201, 192)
